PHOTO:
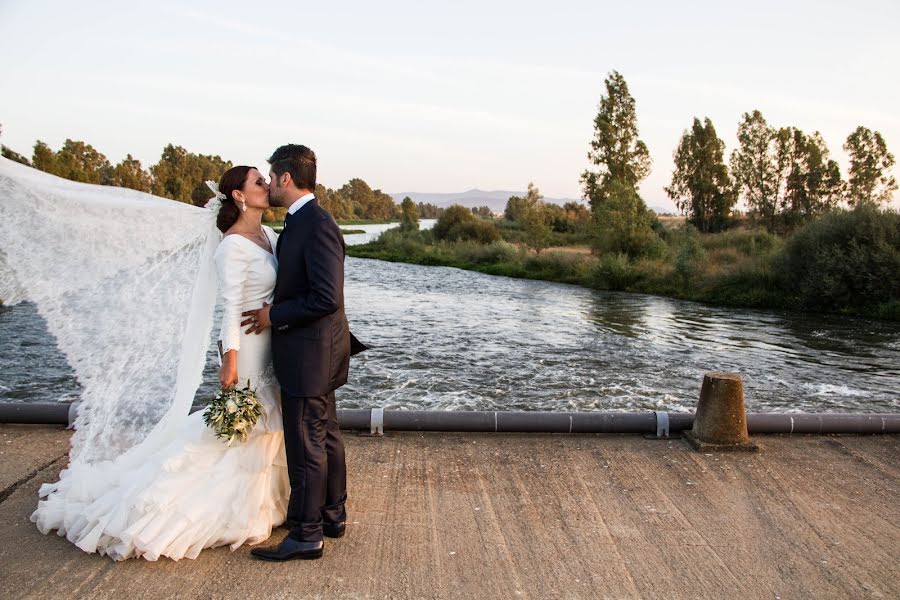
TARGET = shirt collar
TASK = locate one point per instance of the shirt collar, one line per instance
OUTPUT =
(300, 203)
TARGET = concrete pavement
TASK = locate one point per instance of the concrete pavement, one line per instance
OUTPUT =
(442, 515)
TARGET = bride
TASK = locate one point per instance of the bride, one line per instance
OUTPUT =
(166, 486)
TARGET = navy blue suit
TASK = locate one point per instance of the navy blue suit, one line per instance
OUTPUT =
(311, 355)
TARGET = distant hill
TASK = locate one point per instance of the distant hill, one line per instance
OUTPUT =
(496, 200)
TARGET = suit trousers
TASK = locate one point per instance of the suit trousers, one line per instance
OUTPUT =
(316, 466)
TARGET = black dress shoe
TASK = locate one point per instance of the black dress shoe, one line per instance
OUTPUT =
(290, 549)
(334, 530)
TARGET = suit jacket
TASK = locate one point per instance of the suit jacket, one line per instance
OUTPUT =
(310, 335)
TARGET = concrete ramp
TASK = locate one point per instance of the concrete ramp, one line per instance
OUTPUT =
(526, 516)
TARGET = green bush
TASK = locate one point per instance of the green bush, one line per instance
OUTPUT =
(689, 253)
(613, 272)
(622, 224)
(458, 224)
(753, 283)
(566, 267)
(753, 242)
(846, 260)
(481, 254)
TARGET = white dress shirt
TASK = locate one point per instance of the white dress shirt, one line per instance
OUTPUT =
(300, 203)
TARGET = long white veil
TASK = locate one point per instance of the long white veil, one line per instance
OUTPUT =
(127, 285)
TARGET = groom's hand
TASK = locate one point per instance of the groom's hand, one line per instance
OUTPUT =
(257, 319)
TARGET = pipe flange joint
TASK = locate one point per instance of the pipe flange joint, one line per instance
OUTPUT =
(662, 423)
(376, 421)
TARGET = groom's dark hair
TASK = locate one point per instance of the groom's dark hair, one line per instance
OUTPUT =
(297, 160)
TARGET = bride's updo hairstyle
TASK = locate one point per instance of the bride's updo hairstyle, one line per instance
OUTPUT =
(233, 180)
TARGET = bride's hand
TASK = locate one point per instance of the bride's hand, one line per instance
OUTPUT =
(228, 375)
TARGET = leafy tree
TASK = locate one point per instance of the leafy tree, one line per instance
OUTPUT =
(557, 218)
(700, 186)
(571, 217)
(76, 161)
(80, 161)
(517, 207)
(11, 154)
(368, 203)
(535, 219)
(360, 196)
(429, 211)
(755, 167)
(624, 225)
(484, 212)
(537, 227)
(409, 219)
(130, 174)
(181, 175)
(384, 207)
(457, 223)
(813, 183)
(617, 152)
(334, 202)
(785, 175)
(870, 180)
(43, 157)
(621, 219)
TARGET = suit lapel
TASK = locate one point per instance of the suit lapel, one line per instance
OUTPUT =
(291, 222)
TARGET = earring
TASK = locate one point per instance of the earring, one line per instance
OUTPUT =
(243, 206)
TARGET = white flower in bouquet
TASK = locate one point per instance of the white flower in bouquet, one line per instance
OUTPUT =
(233, 413)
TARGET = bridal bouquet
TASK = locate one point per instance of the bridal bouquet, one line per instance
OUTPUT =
(233, 413)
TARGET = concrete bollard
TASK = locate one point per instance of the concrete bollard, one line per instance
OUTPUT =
(721, 420)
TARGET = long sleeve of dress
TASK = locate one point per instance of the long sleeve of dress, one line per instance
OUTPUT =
(232, 265)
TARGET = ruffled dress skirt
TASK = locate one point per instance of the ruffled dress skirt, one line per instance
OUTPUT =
(176, 496)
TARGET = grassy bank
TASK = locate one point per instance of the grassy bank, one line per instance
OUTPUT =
(364, 222)
(741, 268)
(278, 226)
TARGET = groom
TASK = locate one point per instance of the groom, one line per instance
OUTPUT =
(311, 355)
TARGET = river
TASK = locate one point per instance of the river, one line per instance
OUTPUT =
(448, 339)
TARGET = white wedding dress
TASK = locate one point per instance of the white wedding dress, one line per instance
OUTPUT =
(183, 490)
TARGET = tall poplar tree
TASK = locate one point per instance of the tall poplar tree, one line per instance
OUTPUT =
(616, 151)
(621, 161)
(755, 168)
(701, 187)
(869, 180)
(813, 185)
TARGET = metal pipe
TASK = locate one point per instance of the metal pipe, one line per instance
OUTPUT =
(534, 422)
(823, 423)
(42, 414)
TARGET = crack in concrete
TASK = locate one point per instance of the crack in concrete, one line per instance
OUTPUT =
(10, 489)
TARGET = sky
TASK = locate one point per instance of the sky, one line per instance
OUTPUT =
(411, 96)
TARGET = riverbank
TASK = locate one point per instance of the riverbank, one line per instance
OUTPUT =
(737, 269)
(347, 227)
(353, 222)
(526, 516)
